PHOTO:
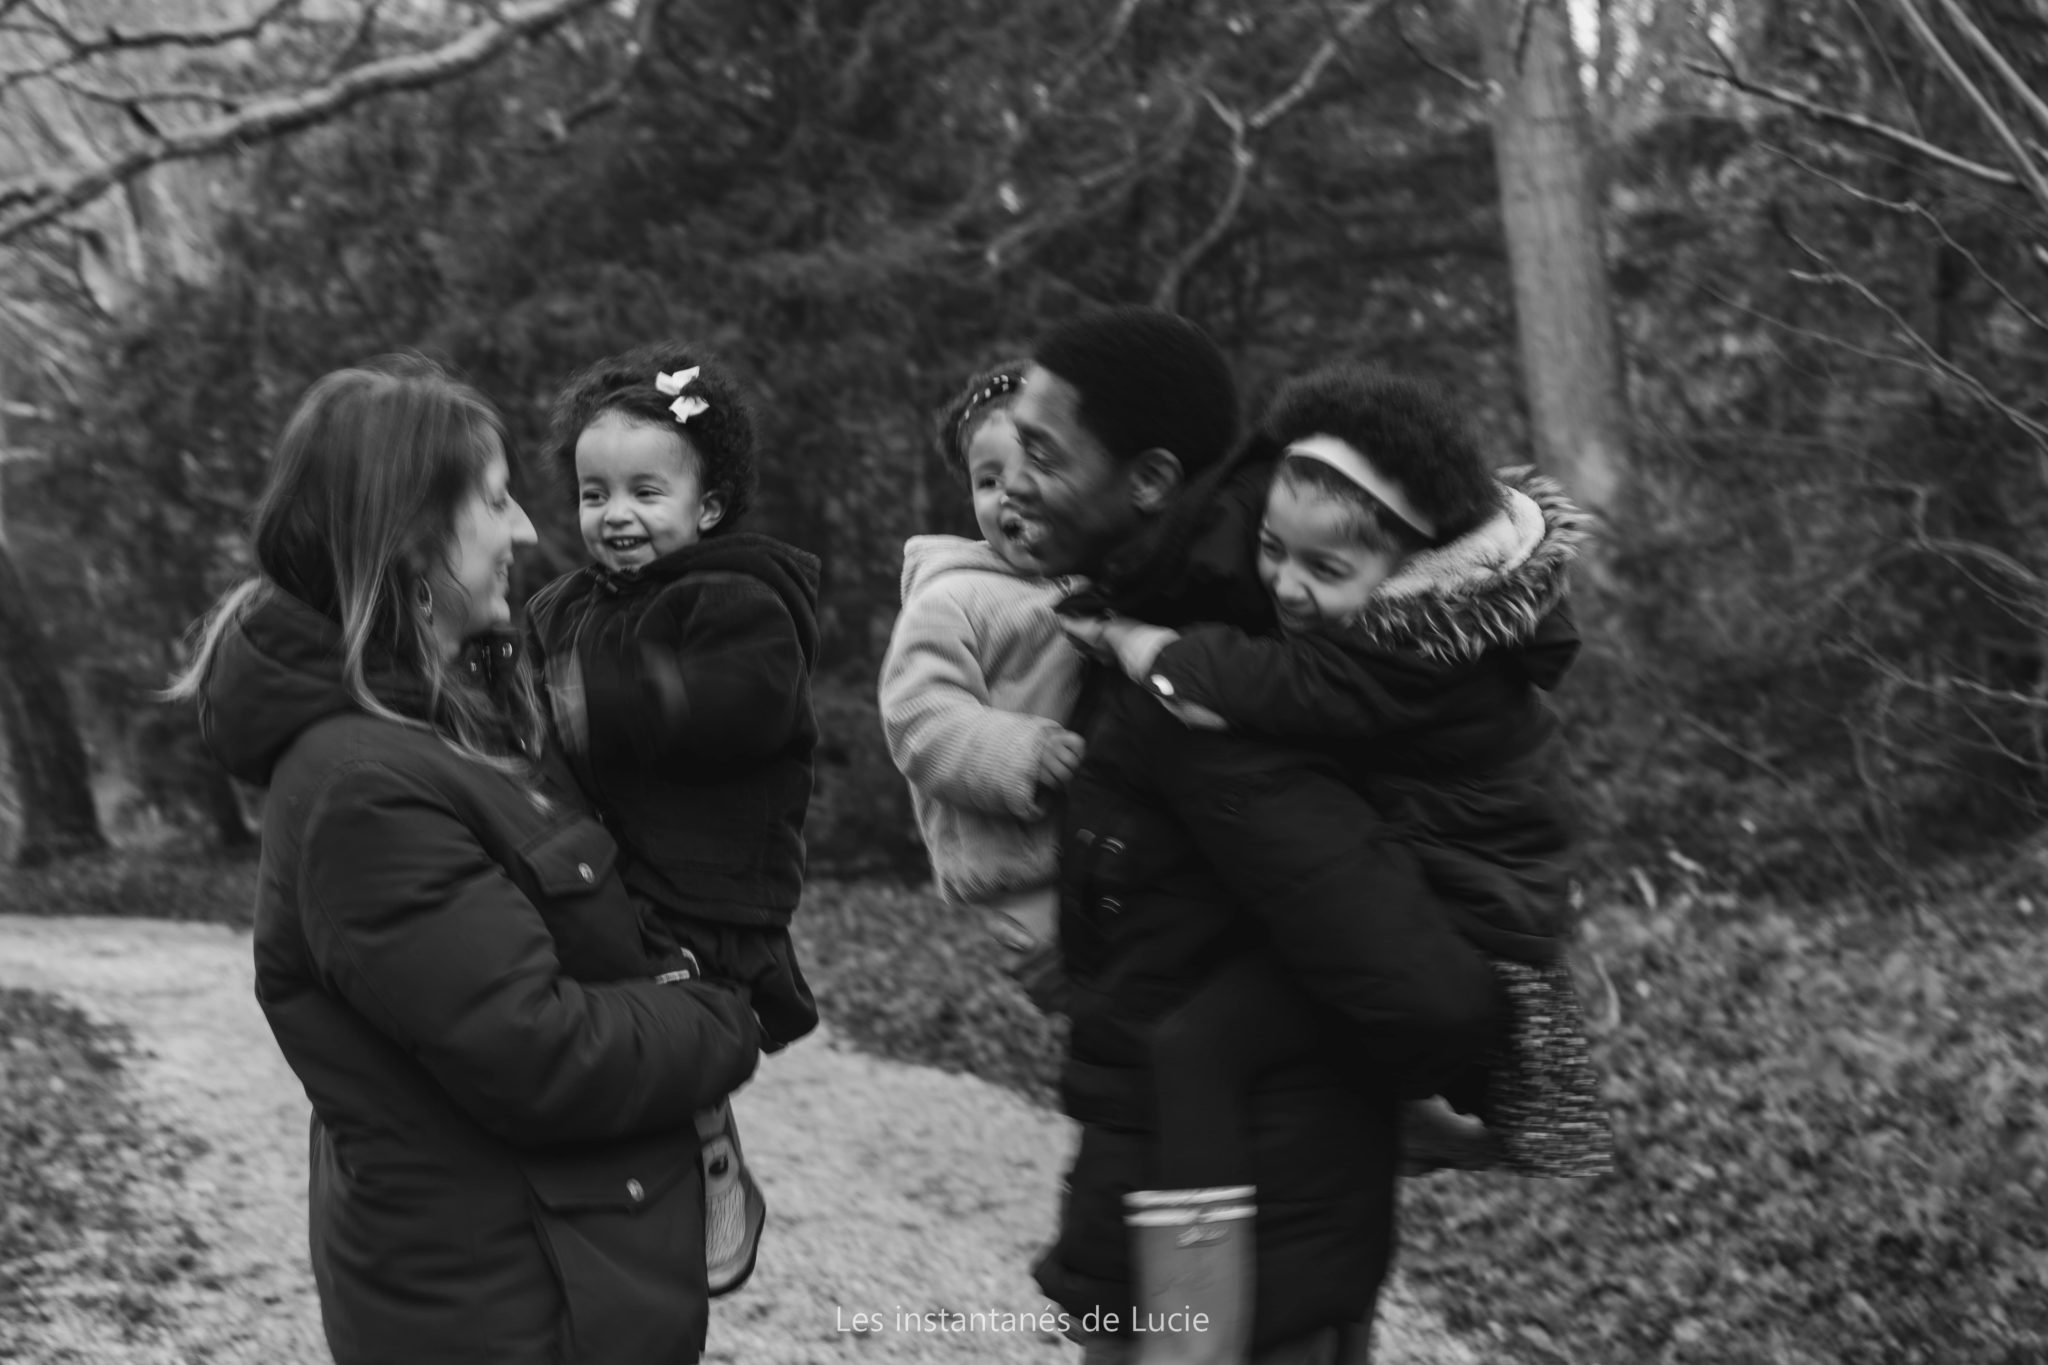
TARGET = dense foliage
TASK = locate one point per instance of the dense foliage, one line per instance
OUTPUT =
(1815, 655)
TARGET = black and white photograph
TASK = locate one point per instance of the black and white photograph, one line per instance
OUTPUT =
(1071, 682)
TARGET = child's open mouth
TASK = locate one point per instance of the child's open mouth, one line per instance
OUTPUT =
(1025, 534)
(620, 545)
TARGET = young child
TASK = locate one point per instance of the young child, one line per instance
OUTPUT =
(678, 670)
(975, 692)
(1418, 601)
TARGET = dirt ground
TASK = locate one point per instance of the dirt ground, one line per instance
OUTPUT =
(894, 1191)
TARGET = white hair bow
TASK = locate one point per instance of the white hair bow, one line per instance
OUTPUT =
(673, 385)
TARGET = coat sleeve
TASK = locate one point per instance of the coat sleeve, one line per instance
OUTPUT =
(1296, 686)
(412, 922)
(1339, 893)
(943, 734)
(711, 673)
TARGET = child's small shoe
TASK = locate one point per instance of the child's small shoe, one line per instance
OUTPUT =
(1435, 1137)
(734, 1209)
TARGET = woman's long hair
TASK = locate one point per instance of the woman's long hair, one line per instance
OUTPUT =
(359, 511)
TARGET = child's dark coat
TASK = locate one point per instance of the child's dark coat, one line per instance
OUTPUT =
(681, 698)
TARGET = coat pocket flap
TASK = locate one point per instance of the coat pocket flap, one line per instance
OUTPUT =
(571, 860)
(625, 1179)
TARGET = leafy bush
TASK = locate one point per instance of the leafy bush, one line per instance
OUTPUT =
(169, 883)
(1833, 1138)
(860, 822)
(906, 976)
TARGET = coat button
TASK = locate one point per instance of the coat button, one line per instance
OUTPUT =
(583, 871)
(1084, 836)
(635, 1191)
(1110, 905)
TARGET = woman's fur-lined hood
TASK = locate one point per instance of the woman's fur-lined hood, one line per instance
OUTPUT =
(1492, 587)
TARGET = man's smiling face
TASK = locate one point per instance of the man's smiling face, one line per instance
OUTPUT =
(1067, 503)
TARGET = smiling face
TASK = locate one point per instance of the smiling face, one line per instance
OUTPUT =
(993, 452)
(1069, 501)
(1311, 561)
(640, 492)
(470, 591)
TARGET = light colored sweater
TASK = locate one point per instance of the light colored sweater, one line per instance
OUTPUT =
(977, 678)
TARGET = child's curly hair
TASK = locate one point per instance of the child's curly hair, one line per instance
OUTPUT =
(1410, 430)
(721, 436)
(992, 390)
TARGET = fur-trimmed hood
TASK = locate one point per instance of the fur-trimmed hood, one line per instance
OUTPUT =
(1496, 586)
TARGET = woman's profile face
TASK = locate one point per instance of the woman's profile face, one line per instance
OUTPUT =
(470, 597)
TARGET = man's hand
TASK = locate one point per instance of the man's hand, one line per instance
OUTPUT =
(1131, 645)
(1059, 758)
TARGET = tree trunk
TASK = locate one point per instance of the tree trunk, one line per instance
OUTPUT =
(1551, 215)
(50, 773)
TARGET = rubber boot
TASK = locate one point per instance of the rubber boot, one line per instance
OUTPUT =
(1192, 1257)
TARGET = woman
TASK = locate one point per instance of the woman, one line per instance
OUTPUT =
(504, 1166)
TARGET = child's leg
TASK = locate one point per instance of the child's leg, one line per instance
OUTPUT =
(1243, 1021)
(1026, 924)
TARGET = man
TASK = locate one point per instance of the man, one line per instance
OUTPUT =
(1182, 849)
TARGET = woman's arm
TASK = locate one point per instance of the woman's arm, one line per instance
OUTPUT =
(413, 923)
(943, 734)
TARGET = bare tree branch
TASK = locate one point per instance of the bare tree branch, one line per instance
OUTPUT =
(1077, 192)
(112, 40)
(128, 99)
(2014, 82)
(1112, 35)
(1921, 211)
(31, 200)
(1857, 121)
(1242, 129)
(358, 40)
(2029, 173)
(1831, 274)
(645, 17)
(1476, 87)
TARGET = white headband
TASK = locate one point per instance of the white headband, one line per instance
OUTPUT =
(1346, 460)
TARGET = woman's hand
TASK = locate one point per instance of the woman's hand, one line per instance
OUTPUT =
(1129, 644)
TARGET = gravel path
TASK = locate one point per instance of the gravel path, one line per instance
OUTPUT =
(894, 1191)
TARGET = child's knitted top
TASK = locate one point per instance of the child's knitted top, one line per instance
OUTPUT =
(978, 676)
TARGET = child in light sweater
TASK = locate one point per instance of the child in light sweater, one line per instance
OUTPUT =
(975, 692)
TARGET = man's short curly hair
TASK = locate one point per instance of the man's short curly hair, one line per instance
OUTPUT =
(1411, 431)
(1147, 379)
(721, 437)
(992, 390)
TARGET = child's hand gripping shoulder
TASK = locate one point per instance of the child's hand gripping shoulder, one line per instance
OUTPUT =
(1134, 647)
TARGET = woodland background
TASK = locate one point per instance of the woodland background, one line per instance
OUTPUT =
(1764, 281)
(1793, 351)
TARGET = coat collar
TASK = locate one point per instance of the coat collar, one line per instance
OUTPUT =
(1491, 587)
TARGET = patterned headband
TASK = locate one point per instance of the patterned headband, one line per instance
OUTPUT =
(1006, 382)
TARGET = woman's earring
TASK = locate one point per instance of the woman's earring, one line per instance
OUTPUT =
(425, 597)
